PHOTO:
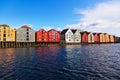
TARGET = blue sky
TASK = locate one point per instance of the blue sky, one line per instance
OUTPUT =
(49, 13)
(38, 13)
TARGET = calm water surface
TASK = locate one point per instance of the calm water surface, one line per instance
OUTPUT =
(71, 62)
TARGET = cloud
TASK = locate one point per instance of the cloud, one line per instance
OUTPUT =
(51, 27)
(102, 17)
(16, 27)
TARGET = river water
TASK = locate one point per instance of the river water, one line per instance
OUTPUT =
(70, 62)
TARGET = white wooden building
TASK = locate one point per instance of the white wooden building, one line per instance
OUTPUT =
(67, 36)
(77, 36)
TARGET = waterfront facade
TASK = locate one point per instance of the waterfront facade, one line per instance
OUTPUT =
(25, 34)
(107, 38)
(111, 38)
(53, 36)
(67, 36)
(84, 37)
(96, 38)
(41, 36)
(102, 38)
(7, 34)
(90, 38)
(76, 36)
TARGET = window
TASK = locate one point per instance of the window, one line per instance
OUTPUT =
(27, 39)
(4, 35)
(27, 33)
(8, 35)
(4, 31)
(4, 39)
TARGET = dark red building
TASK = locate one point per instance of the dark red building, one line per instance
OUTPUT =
(41, 36)
(84, 36)
(96, 37)
(53, 36)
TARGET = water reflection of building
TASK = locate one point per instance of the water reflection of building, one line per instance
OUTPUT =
(73, 53)
(7, 56)
(48, 50)
(51, 56)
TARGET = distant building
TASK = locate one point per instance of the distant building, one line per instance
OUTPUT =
(25, 34)
(107, 38)
(84, 37)
(90, 38)
(116, 39)
(41, 36)
(76, 36)
(53, 35)
(111, 38)
(7, 34)
(96, 38)
(102, 38)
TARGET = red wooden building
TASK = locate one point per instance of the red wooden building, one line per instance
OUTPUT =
(84, 36)
(96, 37)
(41, 36)
(53, 36)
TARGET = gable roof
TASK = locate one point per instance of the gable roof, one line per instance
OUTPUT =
(52, 30)
(73, 30)
(5, 25)
(25, 26)
(64, 31)
(85, 32)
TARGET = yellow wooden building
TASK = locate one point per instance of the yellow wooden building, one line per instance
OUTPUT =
(7, 34)
(107, 39)
(102, 38)
(111, 38)
(90, 38)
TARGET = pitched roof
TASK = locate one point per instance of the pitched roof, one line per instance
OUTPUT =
(84, 32)
(73, 30)
(25, 26)
(64, 31)
(5, 25)
(51, 30)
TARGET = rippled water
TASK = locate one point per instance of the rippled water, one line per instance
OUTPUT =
(71, 62)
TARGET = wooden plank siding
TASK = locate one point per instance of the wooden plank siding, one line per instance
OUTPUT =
(107, 38)
(41, 36)
(96, 38)
(53, 36)
(90, 38)
(102, 38)
(84, 37)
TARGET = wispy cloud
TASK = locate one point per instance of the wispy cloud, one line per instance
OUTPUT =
(102, 17)
(16, 27)
(51, 27)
